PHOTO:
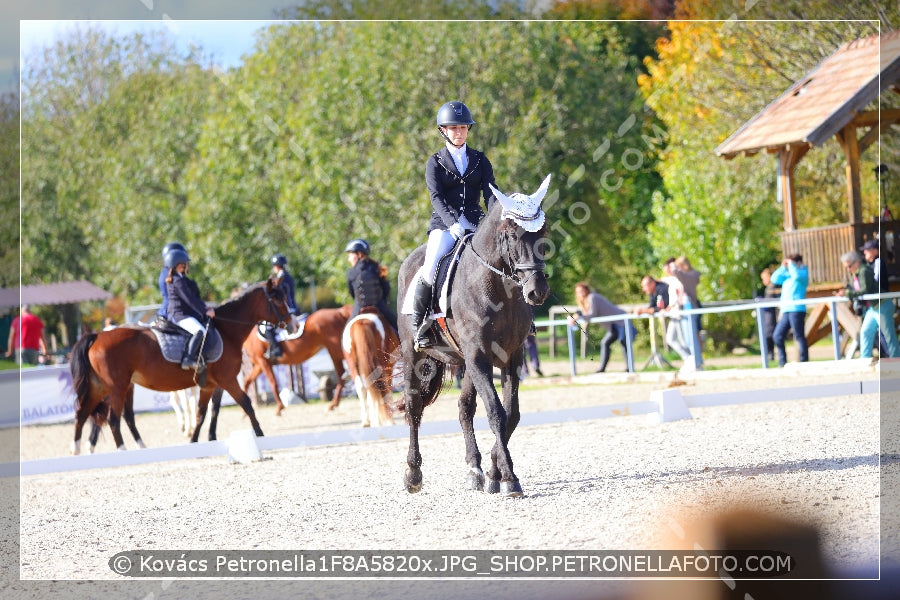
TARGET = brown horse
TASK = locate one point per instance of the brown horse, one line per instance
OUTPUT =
(323, 328)
(371, 349)
(105, 365)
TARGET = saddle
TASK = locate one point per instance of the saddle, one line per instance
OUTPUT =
(173, 341)
(440, 299)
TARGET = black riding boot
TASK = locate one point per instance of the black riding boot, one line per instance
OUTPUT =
(191, 358)
(421, 326)
(274, 352)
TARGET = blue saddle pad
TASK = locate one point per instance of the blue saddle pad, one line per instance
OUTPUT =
(173, 343)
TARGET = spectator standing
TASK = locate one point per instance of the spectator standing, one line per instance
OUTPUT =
(793, 277)
(594, 304)
(661, 300)
(531, 355)
(689, 277)
(876, 314)
(26, 338)
(768, 291)
(872, 252)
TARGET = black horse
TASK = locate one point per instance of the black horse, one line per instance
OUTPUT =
(498, 280)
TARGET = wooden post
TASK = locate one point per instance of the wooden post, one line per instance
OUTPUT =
(788, 157)
(848, 141)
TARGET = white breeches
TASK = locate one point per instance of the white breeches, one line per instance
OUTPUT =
(440, 242)
(190, 324)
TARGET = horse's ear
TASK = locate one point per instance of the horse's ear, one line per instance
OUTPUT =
(505, 201)
(538, 196)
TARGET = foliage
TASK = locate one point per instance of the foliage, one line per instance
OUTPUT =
(9, 190)
(709, 79)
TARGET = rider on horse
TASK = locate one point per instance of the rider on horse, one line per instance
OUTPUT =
(455, 176)
(283, 278)
(186, 307)
(367, 281)
(162, 313)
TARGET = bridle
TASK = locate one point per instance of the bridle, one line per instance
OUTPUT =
(281, 320)
(535, 267)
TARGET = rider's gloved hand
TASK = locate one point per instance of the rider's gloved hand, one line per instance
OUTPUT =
(456, 230)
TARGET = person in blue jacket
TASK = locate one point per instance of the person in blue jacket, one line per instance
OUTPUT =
(793, 277)
(186, 308)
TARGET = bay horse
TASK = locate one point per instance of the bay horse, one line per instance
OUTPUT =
(370, 348)
(498, 280)
(105, 365)
(323, 329)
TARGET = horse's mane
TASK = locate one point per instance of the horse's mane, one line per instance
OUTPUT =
(231, 302)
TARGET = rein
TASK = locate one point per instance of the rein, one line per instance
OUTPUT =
(281, 319)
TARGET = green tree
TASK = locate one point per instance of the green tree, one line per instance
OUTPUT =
(709, 79)
(9, 190)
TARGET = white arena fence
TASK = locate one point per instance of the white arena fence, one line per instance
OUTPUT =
(833, 301)
(242, 446)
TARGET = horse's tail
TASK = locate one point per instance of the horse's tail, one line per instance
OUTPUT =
(367, 344)
(81, 376)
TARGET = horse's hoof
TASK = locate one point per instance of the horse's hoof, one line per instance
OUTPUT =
(511, 489)
(141, 444)
(475, 480)
(413, 480)
(492, 486)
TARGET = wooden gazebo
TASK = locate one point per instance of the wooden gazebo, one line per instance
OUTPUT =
(828, 101)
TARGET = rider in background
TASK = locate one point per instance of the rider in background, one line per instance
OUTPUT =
(162, 313)
(282, 278)
(367, 281)
(186, 307)
(456, 176)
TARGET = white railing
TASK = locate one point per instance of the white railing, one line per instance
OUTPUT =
(833, 301)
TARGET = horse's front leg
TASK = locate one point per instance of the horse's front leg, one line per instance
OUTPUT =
(214, 415)
(423, 376)
(501, 477)
(467, 402)
(202, 405)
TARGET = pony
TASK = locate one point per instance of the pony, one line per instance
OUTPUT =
(499, 278)
(322, 328)
(184, 403)
(105, 365)
(370, 348)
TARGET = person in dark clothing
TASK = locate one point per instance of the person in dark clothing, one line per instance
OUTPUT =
(457, 177)
(162, 313)
(283, 278)
(769, 291)
(367, 281)
(186, 308)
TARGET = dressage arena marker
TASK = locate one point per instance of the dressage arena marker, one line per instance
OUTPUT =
(242, 447)
(661, 405)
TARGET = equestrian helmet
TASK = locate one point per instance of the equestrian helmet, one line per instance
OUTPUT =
(454, 113)
(279, 260)
(175, 257)
(171, 246)
(358, 245)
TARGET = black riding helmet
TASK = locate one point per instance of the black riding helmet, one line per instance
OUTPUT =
(358, 245)
(280, 260)
(172, 246)
(454, 113)
(175, 257)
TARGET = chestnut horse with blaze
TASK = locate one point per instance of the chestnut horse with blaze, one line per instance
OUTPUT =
(106, 365)
(322, 329)
(371, 349)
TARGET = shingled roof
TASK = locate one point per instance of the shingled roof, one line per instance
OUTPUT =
(822, 102)
(68, 292)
